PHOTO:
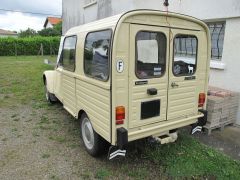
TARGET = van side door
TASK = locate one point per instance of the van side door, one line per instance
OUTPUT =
(148, 74)
(58, 71)
(186, 72)
(68, 78)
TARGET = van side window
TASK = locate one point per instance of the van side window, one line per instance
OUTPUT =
(185, 55)
(96, 54)
(68, 54)
(150, 54)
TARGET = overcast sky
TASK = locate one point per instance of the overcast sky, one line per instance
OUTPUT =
(17, 21)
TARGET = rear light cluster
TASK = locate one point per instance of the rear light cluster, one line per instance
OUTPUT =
(120, 115)
(201, 99)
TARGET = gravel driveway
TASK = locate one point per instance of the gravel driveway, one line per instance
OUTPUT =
(43, 143)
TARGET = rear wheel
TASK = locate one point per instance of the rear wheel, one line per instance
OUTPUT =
(93, 143)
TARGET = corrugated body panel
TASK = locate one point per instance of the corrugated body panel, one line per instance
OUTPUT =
(182, 100)
(95, 101)
(68, 93)
(139, 95)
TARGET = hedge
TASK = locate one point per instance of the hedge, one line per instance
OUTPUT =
(29, 46)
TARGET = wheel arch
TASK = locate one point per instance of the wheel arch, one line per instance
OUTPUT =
(48, 79)
(80, 113)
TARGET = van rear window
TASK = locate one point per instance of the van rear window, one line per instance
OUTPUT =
(150, 54)
(96, 54)
(185, 55)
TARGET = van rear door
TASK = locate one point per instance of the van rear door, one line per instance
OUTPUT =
(183, 74)
(148, 74)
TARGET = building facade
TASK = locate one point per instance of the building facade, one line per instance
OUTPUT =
(222, 17)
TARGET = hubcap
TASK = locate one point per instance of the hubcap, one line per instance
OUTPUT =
(87, 133)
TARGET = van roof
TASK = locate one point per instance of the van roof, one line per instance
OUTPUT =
(112, 21)
(99, 24)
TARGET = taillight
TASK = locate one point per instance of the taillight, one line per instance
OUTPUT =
(201, 99)
(120, 115)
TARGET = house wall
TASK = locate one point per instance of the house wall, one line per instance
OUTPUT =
(72, 14)
(49, 25)
(75, 13)
(229, 78)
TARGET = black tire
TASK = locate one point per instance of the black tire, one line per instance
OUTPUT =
(94, 144)
(51, 98)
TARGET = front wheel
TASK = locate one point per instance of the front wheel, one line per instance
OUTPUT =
(93, 143)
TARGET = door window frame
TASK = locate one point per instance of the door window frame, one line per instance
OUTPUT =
(136, 51)
(109, 54)
(60, 63)
(173, 55)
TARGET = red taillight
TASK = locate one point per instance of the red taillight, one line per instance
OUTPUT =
(120, 115)
(201, 99)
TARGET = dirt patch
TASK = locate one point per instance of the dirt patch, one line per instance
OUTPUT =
(44, 143)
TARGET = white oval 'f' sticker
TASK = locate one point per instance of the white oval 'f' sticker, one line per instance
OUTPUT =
(120, 66)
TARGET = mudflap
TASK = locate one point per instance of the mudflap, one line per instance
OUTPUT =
(122, 140)
(198, 127)
(115, 151)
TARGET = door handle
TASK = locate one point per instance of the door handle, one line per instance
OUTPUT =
(152, 91)
(174, 85)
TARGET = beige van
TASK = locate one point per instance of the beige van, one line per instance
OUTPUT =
(140, 74)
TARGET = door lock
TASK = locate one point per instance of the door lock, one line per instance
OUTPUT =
(174, 85)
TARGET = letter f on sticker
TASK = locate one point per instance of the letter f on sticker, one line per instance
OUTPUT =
(120, 66)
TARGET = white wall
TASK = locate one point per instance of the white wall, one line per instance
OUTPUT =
(72, 13)
(202, 9)
(229, 78)
(49, 25)
(207, 9)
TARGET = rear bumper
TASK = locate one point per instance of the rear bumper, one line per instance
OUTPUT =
(163, 127)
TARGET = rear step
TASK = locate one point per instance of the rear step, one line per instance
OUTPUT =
(168, 138)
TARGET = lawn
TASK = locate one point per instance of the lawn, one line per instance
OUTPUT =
(52, 129)
(21, 80)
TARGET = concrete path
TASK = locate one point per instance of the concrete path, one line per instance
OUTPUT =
(227, 141)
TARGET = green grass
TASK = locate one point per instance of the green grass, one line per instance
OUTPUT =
(59, 139)
(21, 84)
(103, 173)
(21, 80)
(188, 157)
(140, 173)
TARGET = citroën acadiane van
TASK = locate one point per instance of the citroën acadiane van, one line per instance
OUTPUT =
(140, 74)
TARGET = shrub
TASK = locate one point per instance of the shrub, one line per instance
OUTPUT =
(29, 46)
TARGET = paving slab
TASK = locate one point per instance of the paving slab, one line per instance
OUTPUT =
(227, 141)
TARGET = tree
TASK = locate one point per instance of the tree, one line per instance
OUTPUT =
(27, 33)
(58, 27)
(49, 32)
(55, 31)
